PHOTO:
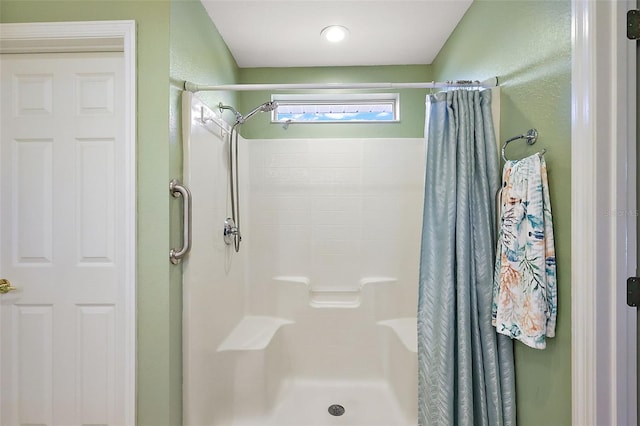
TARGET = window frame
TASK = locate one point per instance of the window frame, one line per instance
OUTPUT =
(346, 99)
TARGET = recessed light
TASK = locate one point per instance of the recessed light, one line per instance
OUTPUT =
(335, 33)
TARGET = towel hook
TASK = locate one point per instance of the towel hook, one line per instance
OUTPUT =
(531, 137)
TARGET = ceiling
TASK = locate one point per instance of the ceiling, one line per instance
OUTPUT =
(286, 33)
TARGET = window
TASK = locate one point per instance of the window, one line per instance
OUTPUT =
(336, 108)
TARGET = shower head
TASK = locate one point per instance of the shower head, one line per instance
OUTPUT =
(265, 107)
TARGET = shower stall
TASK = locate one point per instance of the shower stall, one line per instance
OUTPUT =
(313, 321)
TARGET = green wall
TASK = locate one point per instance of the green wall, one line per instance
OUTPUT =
(527, 44)
(412, 102)
(158, 305)
(197, 54)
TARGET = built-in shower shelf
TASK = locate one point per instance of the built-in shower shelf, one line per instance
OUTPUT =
(406, 329)
(334, 296)
(252, 333)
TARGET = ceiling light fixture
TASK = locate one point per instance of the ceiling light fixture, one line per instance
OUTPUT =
(335, 33)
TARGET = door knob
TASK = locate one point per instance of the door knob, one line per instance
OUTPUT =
(5, 286)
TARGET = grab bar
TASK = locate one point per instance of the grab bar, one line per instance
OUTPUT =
(178, 190)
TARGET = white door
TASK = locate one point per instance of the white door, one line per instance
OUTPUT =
(61, 239)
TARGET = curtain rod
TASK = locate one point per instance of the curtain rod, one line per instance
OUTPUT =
(193, 87)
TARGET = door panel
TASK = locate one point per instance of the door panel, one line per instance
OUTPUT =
(62, 224)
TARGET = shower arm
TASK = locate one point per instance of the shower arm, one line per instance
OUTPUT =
(222, 107)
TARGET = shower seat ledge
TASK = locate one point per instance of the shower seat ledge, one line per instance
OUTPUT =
(252, 333)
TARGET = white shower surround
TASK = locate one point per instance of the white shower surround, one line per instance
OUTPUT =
(318, 308)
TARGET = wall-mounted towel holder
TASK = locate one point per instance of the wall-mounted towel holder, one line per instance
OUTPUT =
(531, 137)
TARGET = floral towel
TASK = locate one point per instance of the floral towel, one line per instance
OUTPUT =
(525, 296)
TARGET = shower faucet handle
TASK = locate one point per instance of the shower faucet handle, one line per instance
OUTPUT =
(230, 231)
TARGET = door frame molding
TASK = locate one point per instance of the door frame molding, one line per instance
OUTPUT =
(99, 36)
(604, 214)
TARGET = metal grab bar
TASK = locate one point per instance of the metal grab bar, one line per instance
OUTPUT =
(178, 190)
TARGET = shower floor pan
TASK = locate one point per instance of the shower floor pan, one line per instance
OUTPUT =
(306, 403)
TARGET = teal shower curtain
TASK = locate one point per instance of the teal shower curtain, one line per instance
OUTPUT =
(466, 372)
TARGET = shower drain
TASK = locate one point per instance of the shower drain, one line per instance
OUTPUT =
(336, 410)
